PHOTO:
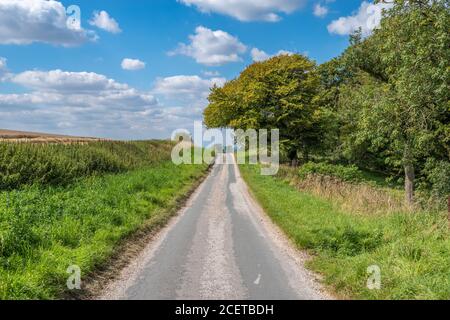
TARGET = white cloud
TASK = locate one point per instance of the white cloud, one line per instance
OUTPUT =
(80, 100)
(189, 93)
(153, 122)
(248, 10)
(211, 74)
(103, 21)
(320, 11)
(27, 21)
(2, 64)
(63, 81)
(260, 55)
(86, 90)
(212, 48)
(368, 18)
(3, 68)
(132, 64)
(91, 104)
(183, 86)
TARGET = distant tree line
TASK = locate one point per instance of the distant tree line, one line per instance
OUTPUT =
(382, 105)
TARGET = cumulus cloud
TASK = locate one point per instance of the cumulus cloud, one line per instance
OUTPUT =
(83, 101)
(211, 74)
(85, 90)
(247, 10)
(27, 21)
(132, 64)
(2, 63)
(368, 18)
(154, 122)
(2, 67)
(212, 48)
(103, 21)
(63, 81)
(185, 86)
(260, 55)
(320, 10)
(189, 93)
(91, 104)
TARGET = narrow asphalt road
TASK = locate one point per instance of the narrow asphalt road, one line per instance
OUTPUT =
(221, 246)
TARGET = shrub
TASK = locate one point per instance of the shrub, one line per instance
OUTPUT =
(345, 173)
(434, 188)
(439, 176)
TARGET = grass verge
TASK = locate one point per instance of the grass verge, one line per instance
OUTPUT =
(46, 229)
(412, 250)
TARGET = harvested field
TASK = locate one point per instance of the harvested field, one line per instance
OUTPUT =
(36, 137)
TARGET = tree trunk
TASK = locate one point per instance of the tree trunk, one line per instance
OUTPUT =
(409, 184)
(293, 157)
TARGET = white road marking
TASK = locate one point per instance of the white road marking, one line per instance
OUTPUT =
(258, 280)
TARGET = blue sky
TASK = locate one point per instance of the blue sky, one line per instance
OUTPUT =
(73, 80)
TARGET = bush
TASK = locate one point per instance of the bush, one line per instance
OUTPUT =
(435, 185)
(345, 173)
(439, 177)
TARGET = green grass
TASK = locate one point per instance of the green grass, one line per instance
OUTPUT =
(22, 164)
(47, 227)
(412, 249)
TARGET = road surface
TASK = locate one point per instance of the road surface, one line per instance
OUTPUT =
(221, 246)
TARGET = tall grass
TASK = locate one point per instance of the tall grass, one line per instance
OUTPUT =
(360, 193)
(412, 249)
(353, 196)
(61, 164)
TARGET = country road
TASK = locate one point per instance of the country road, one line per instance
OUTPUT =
(221, 246)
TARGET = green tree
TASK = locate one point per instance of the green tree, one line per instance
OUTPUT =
(274, 94)
(408, 57)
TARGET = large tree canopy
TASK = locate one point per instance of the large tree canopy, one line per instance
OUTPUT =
(274, 94)
(407, 101)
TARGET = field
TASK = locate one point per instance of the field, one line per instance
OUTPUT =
(348, 229)
(65, 205)
(59, 164)
(35, 137)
